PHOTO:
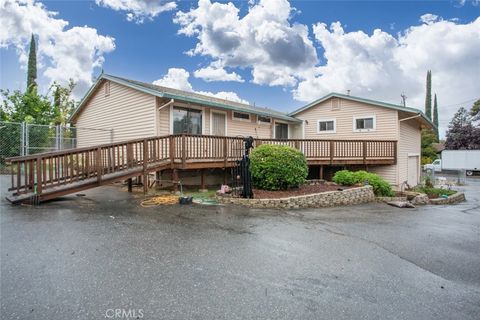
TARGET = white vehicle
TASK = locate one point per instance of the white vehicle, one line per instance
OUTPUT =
(468, 160)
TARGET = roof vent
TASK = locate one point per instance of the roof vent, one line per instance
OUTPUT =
(348, 92)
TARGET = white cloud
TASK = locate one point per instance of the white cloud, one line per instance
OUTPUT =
(177, 78)
(212, 73)
(63, 52)
(429, 18)
(138, 10)
(264, 40)
(382, 66)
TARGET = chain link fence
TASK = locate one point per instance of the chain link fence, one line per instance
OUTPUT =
(20, 139)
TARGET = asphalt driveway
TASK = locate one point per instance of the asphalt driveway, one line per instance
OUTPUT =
(85, 257)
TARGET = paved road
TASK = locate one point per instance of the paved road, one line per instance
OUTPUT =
(84, 256)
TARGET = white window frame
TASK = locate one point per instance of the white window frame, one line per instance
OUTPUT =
(212, 111)
(264, 123)
(241, 119)
(373, 116)
(181, 105)
(327, 131)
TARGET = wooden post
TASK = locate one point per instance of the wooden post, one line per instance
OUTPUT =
(332, 150)
(321, 172)
(145, 164)
(364, 145)
(39, 175)
(99, 164)
(202, 179)
(184, 152)
(225, 152)
(172, 147)
(175, 179)
(129, 183)
(224, 176)
(158, 176)
(395, 151)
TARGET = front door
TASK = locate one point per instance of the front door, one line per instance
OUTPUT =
(281, 131)
(412, 171)
(218, 124)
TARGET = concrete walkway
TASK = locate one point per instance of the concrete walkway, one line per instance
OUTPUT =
(81, 257)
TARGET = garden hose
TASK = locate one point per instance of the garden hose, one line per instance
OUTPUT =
(166, 199)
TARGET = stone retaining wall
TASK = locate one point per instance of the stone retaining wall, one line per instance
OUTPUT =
(317, 200)
(454, 198)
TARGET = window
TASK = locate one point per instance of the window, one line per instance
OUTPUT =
(187, 121)
(326, 126)
(241, 116)
(281, 131)
(362, 124)
(262, 119)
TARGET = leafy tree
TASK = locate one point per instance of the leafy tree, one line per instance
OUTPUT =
(429, 153)
(462, 133)
(428, 97)
(63, 104)
(30, 107)
(475, 111)
(435, 116)
(32, 66)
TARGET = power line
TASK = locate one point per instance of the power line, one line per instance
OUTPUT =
(459, 103)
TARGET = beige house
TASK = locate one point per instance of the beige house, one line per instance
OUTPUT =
(137, 110)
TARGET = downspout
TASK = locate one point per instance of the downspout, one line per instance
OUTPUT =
(412, 117)
(166, 104)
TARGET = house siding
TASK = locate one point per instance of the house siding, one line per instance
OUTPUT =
(410, 143)
(128, 112)
(386, 120)
(234, 127)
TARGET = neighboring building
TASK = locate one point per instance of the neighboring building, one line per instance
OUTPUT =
(136, 110)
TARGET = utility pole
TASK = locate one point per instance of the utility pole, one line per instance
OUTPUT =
(404, 99)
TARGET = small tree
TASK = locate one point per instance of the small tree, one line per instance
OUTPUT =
(63, 104)
(32, 66)
(462, 133)
(429, 153)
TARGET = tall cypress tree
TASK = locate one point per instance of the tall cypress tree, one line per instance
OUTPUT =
(32, 65)
(435, 115)
(428, 97)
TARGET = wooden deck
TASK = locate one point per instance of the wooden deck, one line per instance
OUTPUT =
(49, 175)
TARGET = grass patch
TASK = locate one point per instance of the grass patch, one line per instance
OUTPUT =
(434, 192)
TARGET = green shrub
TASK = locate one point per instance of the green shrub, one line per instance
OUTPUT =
(437, 192)
(380, 186)
(344, 177)
(276, 167)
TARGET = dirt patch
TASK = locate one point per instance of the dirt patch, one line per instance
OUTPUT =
(300, 191)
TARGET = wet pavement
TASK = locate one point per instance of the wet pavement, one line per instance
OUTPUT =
(84, 257)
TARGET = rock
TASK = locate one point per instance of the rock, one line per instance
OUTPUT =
(420, 199)
(401, 204)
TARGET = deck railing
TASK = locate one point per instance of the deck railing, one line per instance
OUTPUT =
(36, 173)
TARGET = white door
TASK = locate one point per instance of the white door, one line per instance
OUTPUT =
(412, 171)
(219, 124)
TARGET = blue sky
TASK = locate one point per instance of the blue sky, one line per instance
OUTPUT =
(147, 50)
